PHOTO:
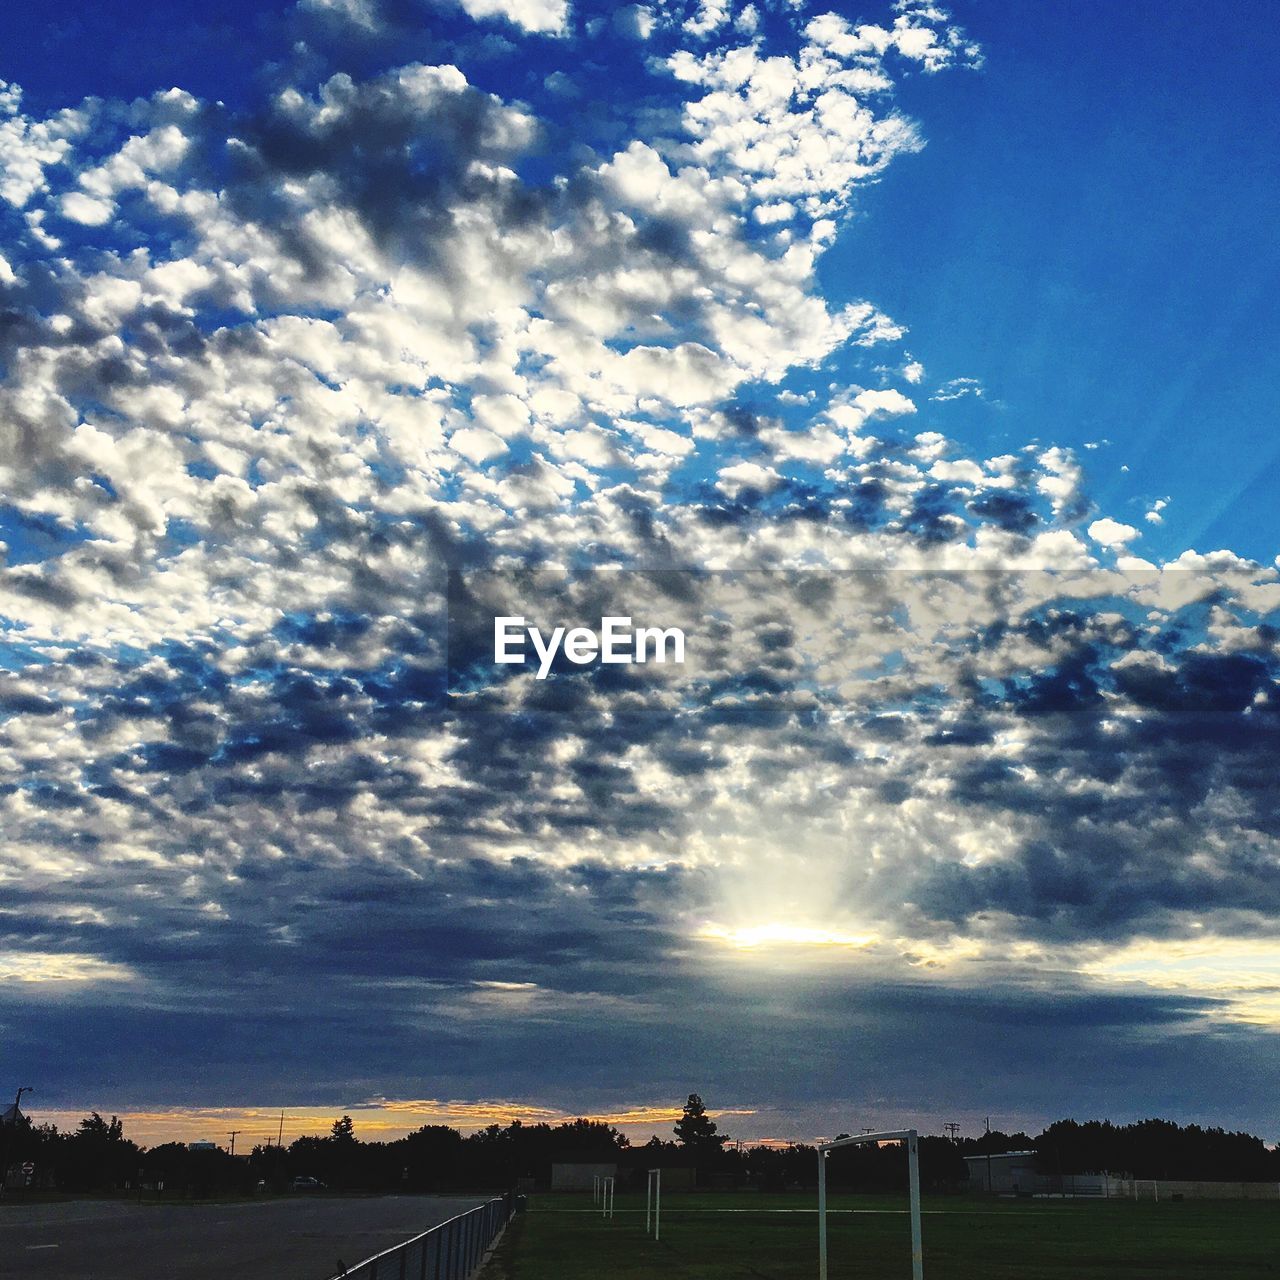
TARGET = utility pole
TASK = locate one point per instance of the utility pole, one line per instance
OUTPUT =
(232, 1136)
(280, 1135)
(988, 1132)
(952, 1130)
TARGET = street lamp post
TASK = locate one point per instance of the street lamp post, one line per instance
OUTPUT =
(4, 1160)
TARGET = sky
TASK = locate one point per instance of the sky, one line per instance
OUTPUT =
(917, 363)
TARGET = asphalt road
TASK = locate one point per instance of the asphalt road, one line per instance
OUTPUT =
(300, 1238)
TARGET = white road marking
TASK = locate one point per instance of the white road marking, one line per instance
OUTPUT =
(41, 1246)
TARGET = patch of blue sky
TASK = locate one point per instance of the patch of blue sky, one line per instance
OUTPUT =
(334, 628)
(261, 672)
(387, 469)
(414, 392)
(32, 537)
(17, 654)
(210, 320)
(131, 48)
(385, 466)
(179, 535)
(1090, 234)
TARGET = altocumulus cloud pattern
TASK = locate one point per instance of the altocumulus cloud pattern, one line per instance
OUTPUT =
(948, 760)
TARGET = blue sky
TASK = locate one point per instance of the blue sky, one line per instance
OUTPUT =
(918, 364)
(1091, 233)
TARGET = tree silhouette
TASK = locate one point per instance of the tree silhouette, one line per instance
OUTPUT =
(343, 1131)
(695, 1129)
(93, 1128)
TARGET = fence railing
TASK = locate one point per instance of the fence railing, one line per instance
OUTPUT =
(450, 1251)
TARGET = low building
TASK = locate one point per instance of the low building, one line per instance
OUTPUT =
(1014, 1173)
(1010, 1173)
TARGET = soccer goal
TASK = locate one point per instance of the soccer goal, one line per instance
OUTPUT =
(653, 1203)
(912, 1141)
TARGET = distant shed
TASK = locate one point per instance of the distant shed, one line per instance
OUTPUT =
(1007, 1173)
(1014, 1173)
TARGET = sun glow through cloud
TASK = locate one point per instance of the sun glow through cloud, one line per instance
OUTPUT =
(1242, 973)
(777, 933)
(39, 966)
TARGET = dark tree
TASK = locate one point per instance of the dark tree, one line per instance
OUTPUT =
(696, 1129)
(93, 1128)
(98, 1155)
(344, 1130)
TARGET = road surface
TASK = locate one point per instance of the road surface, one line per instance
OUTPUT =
(299, 1238)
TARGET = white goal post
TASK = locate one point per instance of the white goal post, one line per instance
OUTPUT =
(912, 1140)
(653, 1202)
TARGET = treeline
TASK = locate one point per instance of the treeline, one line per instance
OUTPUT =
(97, 1156)
(1145, 1149)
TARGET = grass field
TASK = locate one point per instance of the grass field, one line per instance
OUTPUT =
(774, 1237)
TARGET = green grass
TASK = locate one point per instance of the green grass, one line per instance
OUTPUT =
(560, 1239)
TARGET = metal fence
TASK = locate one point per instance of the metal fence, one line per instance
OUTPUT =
(450, 1251)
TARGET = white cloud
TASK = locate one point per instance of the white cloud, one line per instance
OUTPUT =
(819, 444)
(1061, 480)
(918, 35)
(889, 403)
(29, 147)
(802, 130)
(1111, 533)
(958, 388)
(545, 17)
(91, 211)
(710, 17)
(734, 480)
(476, 444)
(867, 404)
(961, 471)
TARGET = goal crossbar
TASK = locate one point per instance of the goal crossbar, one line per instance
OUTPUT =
(912, 1141)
